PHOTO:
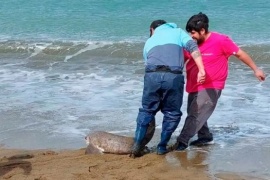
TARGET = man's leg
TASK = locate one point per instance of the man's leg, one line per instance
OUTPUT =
(173, 88)
(200, 107)
(150, 106)
(204, 132)
(205, 137)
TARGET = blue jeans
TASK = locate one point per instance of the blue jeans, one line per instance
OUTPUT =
(162, 91)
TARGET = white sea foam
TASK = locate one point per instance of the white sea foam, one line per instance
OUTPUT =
(90, 46)
(38, 48)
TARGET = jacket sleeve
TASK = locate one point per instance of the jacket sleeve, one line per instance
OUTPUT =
(187, 42)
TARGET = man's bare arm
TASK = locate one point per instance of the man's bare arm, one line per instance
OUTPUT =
(245, 58)
(196, 55)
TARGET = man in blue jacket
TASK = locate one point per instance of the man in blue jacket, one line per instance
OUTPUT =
(164, 81)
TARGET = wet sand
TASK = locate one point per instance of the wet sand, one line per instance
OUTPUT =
(75, 164)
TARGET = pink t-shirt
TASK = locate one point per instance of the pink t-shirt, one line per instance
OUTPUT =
(215, 53)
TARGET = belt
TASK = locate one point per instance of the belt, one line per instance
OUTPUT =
(162, 68)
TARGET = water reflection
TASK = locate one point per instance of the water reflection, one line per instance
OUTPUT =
(190, 158)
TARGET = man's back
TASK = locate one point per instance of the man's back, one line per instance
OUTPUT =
(165, 47)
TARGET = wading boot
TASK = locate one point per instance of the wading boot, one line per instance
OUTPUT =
(138, 141)
(162, 146)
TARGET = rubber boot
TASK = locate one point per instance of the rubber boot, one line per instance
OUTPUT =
(139, 137)
(162, 146)
(149, 133)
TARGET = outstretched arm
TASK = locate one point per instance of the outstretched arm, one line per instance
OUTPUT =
(245, 58)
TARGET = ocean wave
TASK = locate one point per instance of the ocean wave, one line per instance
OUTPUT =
(67, 50)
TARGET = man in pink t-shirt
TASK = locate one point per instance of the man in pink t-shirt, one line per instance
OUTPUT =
(202, 98)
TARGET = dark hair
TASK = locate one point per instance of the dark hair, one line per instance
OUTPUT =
(198, 22)
(157, 23)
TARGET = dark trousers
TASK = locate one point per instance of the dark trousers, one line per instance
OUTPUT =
(162, 91)
(200, 107)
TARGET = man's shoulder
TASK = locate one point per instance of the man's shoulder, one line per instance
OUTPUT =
(220, 36)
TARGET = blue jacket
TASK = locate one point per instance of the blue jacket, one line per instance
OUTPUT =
(165, 47)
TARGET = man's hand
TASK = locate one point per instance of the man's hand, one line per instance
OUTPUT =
(245, 58)
(196, 55)
(259, 74)
(201, 76)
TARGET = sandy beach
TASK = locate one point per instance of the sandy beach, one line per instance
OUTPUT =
(74, 164)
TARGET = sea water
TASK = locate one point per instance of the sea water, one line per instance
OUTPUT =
(68, 68)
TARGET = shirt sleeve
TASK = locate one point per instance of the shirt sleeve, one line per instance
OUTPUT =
(229, 47)
(184, 38)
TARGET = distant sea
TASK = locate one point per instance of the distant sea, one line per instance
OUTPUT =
(71, 67)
